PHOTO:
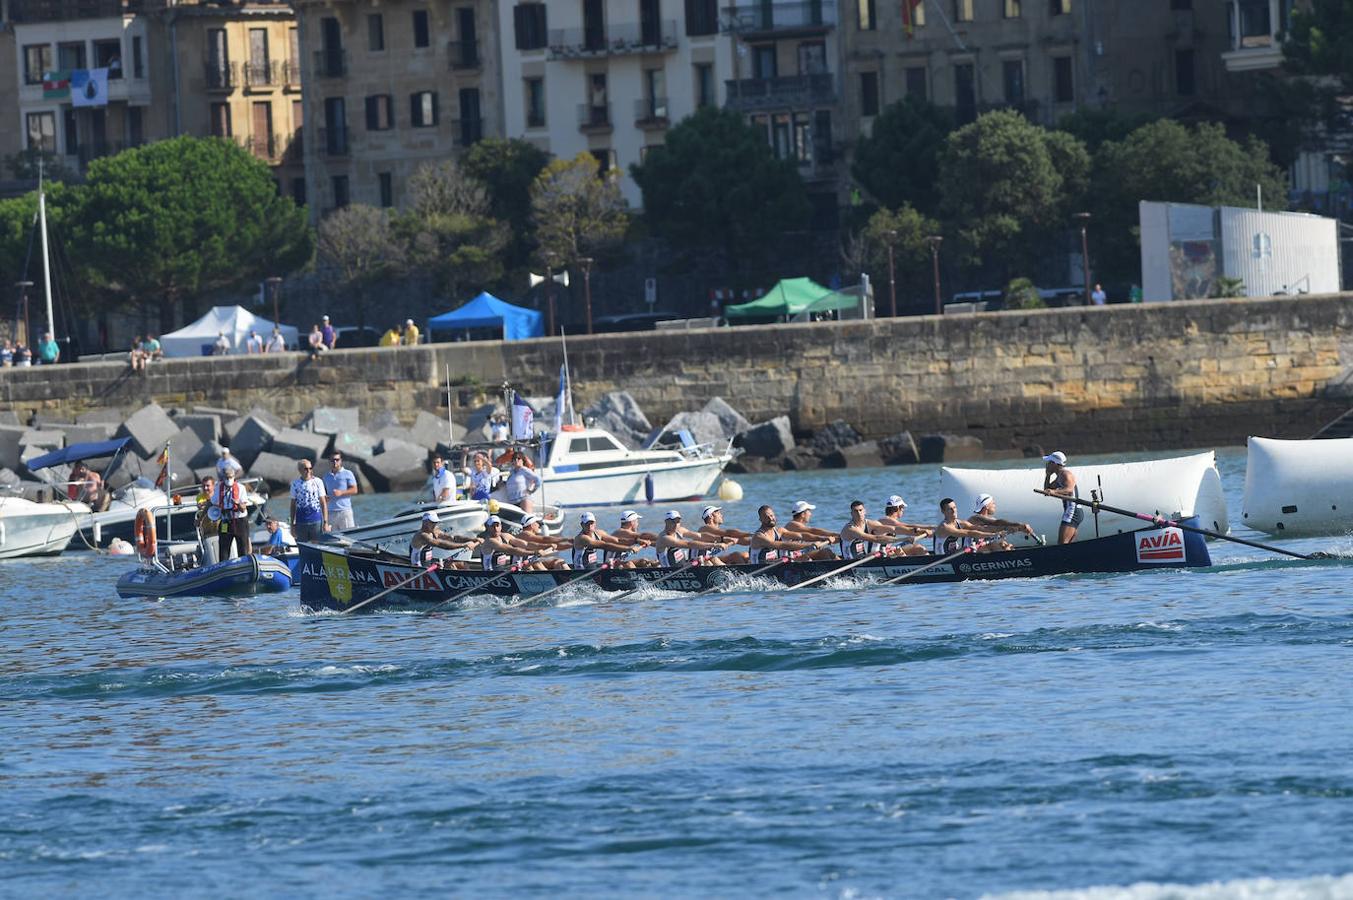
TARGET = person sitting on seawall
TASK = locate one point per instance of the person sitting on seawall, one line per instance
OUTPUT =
(984, 516)
(137, 355)
(6, 354)
(410, 338)
(1061, 481)
(309, 504)
(277, 343)
(152, 349)
(222, 346)
(391, 337)
(315, 342)
(276, 545)
(430, 536)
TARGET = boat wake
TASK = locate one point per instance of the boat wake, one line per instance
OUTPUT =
(1320, 887)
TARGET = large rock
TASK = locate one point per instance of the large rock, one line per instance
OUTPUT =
(187, 449)
(100, 417)
(47, 439)
(10, 419)
(838, 434)
(89, 434)
(399, 467)
(704, 427)
(51, 474)
(8, 479)
(394, 433)
(619, 413)
(800, 459)
(252, 437)
(276, 470)
(258, 414)
(355, 445)
(732, 421)
(149, 428)
(768, 439)
(939, 448)
(10, 435)
(206, 425)
(331, 419)
(381, 418)
(862, 455)
(49, 421)
(899, 450)
(431, 431)
(296, 444)
(224, 414)
(753, 465)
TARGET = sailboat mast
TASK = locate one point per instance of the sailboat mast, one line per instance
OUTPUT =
(568, 379)
(46, 259)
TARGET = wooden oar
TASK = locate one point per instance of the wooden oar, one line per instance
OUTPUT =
(478, 587)
(657, 581)
(1161, 521)
(407, 581)
(971, 548)
(837, 571)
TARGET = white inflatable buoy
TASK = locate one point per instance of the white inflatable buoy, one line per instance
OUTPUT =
(730, 490)
(119, 547)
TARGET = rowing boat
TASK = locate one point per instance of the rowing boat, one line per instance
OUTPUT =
(338, 577)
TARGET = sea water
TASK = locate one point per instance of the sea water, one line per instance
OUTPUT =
(1168, 733)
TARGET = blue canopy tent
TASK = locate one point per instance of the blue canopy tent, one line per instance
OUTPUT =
(487, 311)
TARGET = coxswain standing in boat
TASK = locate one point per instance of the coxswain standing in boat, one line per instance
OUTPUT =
(954, 534)
(769, 543)
(429, 536)
(713, 530)
(531, 534)
(588, 544)
(800, 528)
(231, 501)
(628, 533)
(1061, 481)
(861, 537)
(678, 545)
(498, 549)
(984, 516)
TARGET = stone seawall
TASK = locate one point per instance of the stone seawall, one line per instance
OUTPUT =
(1199, 373)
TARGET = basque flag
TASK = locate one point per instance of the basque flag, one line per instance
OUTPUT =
(522, 416)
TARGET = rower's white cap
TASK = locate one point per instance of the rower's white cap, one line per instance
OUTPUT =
(709, 511)
(630, 515)
(530, 520)
(1056, 456)
(802, 506)
(492, 520)
(672, 516)
(982, 501)
(431, 517)
(586, 518)
(895, 502)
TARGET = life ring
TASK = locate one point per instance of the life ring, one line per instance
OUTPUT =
(145, 533)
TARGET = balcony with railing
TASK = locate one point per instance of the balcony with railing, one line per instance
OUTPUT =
(463, 55)
(1253, 27)
(765, 18)
(334, 141)
(291, 74)
(651, 112)
(789, 92)
(613, 40)
(262, 146)
(221, 76)
(259, 76)
(331, 62)
(594, 116)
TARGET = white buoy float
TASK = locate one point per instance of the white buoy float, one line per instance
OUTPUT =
(730, 490)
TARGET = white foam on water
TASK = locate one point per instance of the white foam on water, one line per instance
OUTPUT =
(1319, 887)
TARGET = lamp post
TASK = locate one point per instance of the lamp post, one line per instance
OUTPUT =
(892, 280)
(586, 263)
(935, 241)
(23, 287)
(1084, 219)
(549, 297)
(274, 284)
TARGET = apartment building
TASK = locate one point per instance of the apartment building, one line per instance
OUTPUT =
(391, 85)
(609, 77)
(11, 139)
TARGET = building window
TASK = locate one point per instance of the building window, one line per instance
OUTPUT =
(965, 93)
(812, 58)
(37, 61)
(1063, 7)
(262, 140)
(136, 133)
(866, 14)
(1063, 89)
(340, 187)
(606, 160)
(70, 56)
(387, 185)
(535, 102)
(471, 123)
(1012, 76)
(260, 70)
(963, 10)
(420, 28)
(335, 125)
(702, 17)
(375, 32)
(378, 113)
(71, 132)
(655, 94)
(220, 120)
(917, 13)
(869, 93)
(916, 82)
(298, 191)
(764, 62)
(704, 85)
(1184, 77)
(42, 131)
(108, 55)
(423, 109)
(218, 58)
(598, 106)
(138, 59)
(1011, 9)
(528, 21)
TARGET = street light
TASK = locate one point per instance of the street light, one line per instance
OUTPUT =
(23, 287)
(892, 281)
(274, 284)
(586, 263)
(1084, 218)
(935, 241)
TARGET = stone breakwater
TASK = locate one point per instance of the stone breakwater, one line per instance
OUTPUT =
(1197, 373)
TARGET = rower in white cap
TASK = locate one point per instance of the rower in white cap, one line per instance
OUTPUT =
(984, 516)
(588, 544)
(678, 545)
(799, 528)
(532, 534)
(713, 530)
(499, 549)
(628, 533)
(429, 536)
(891, 523)
(1059, 480)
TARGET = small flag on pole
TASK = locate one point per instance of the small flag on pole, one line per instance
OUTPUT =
(522, 416)
(163, 481)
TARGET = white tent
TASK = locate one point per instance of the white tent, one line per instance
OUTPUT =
(235, 321)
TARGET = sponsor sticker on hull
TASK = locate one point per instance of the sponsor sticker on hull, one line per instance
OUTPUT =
(1161, 546)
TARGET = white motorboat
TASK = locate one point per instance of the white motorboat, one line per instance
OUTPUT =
(1179, 486)
(1298, 488)
(462, 517)
(589, 467)
(37, 529)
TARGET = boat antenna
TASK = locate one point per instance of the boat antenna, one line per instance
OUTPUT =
(46, 259)
(568, 378)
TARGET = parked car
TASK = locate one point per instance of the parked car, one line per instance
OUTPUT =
(644, 321)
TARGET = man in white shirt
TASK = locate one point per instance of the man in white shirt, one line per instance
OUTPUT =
(222, 345)
(228, 462)
(276, 343)
(442, 482)
(254, 344)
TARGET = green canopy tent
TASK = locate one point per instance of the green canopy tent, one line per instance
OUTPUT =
(792, 297)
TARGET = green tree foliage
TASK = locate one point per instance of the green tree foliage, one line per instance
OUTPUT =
(1318, 48)
(715, 185)
(1095, 127)
(899, 162)
(1320, 40)
(508, 168)
(576, 210)
(1167, 161)
(1007, 185)
(18, 217)
(167, 221)
(448, 231)
(1021, 293)
(906, 231)
(357, 247)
